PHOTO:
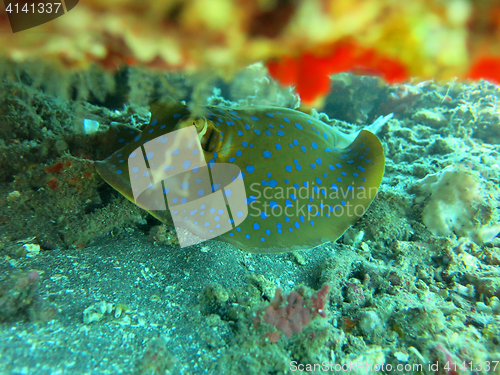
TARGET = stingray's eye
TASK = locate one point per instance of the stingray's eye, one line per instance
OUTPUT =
(200, 124)
(210, 138)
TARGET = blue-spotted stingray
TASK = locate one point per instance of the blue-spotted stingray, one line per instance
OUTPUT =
(305, 183)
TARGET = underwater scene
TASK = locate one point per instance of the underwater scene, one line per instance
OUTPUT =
(250, 187)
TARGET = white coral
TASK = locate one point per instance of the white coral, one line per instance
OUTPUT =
(454, 204)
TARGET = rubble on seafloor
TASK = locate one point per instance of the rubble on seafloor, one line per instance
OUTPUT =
(408, 283)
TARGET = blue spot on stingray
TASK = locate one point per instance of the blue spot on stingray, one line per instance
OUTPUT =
(296, 185)
(293, 197)
(338, 165)
(271, 125)
(263, 215)
(268, 132)
(331, 167)
(250, 168)
(296, 224)
(177, 115)
(121, 140)
(137, 138)
(339, 179)
(240, 133)
(335, 187)
(247, 236)
(298, 126)
(262, 239)
(288, 203)
(302, 218)
(256, 226)
(151, 130)
(303, 148)
(238, 153)
(343, 173)
(290, 229)
(254, 118)
(309, 121)
(250, 199)
(268, 232)
(314, 145)
(247, 127)
(273, 204)
(318, 160)
(119, 171)
(154, 122)
(266, 154)
(313, 166)
(163, 126)
(342, 202)
(273, 183)
(281, 133)
(318, 180)
(295, 142)
(269, 174)
(233, 112)
(239, 213)
(257, 131)
(176, 152)
(286, 119)
(287, 219)
(278, 146)
(325, 135)
(231, 160)
(288, 168)
(309, 208)
(312, 223)
(355, 174)
(361, 169)
(230, 123)
(269, 115)
(244, 143)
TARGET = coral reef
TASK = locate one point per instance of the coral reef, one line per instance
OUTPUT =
(401, 292)
(311, 39)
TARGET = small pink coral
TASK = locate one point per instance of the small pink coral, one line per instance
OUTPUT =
(291, 316)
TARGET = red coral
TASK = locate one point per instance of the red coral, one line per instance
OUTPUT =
(310, 72)
(291, 316)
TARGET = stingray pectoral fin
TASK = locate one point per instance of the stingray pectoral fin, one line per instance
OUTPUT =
(364, 165)
(119, 179)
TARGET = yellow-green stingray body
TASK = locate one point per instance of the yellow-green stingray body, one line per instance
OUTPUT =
(305, 183)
